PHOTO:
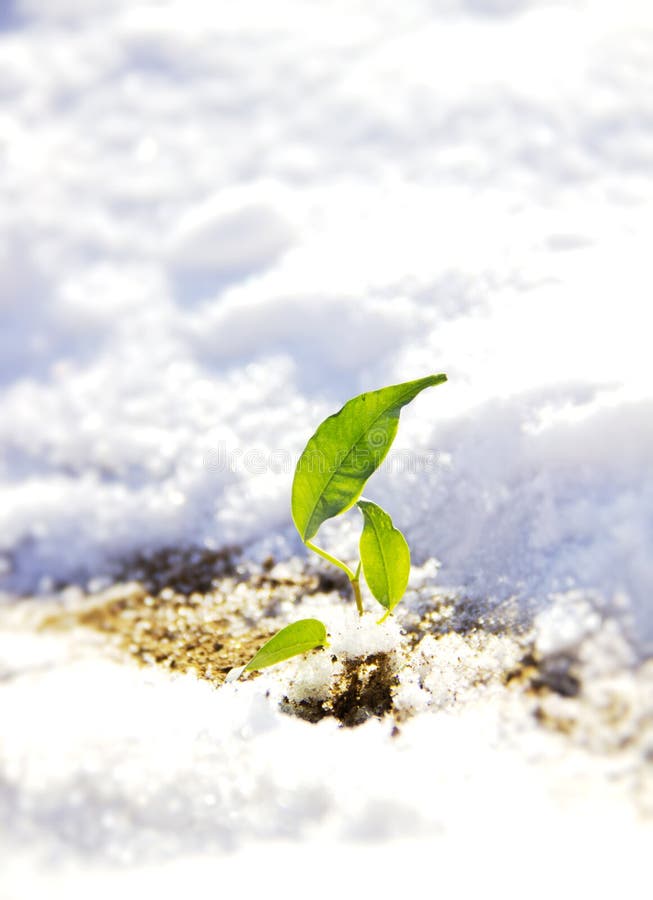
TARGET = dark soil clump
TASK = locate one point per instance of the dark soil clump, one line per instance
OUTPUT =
(185, 571)
(547, 674)
(362, 691)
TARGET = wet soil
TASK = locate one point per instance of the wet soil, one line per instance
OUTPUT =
(362, 690)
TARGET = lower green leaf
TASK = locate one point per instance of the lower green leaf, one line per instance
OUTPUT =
(384, 554)
(299, 637)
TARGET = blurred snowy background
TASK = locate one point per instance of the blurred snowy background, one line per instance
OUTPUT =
(218, 222)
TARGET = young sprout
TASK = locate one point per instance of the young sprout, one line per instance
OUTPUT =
(347, 448)
(331, 474)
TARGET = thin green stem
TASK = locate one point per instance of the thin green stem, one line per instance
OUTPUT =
(357, 596)
(332, 559)
(352, 576)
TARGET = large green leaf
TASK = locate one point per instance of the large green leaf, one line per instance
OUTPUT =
(345, 450)
(299, 637)
(384, 554)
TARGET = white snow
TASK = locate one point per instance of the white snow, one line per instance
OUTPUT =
(218, 222)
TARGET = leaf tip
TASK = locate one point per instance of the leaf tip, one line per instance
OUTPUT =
(234, 674)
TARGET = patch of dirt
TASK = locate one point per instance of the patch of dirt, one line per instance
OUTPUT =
(177, 632)
(363, 690)
(192, 609)
(444, 612)
(547, 674)
(185, 571)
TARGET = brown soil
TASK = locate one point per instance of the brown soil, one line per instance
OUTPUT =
(363, 690)
(184, 571)
(182, 610)
(180, 633)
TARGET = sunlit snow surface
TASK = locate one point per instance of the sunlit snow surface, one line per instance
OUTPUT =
(219, 221)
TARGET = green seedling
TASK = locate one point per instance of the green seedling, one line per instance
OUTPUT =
(330, 476)
(347, 448)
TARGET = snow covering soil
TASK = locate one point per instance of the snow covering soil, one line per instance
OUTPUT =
(445, 732)
(218, 222)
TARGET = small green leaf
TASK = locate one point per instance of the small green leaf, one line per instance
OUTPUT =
(384, 554)
(299, 637)
(345, 450)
